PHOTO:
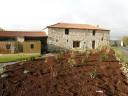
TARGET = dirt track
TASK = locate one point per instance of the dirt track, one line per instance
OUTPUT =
(53, 77)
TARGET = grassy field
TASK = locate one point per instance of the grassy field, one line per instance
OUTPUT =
(120, 55)
(16, 57)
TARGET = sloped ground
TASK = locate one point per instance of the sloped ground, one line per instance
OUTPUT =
(55, 77)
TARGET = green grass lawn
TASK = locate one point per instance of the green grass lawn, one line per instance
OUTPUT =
(120, 54)
(16, 57)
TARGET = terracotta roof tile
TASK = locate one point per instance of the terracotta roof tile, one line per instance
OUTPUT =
(75, 26)
(22, 34)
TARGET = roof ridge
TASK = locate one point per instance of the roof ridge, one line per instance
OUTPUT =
(73, 23)
(75, 26)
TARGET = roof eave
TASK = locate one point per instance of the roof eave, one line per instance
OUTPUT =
(78, 28)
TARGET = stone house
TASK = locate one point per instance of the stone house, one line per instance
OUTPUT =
(22, 42)
(76, 36)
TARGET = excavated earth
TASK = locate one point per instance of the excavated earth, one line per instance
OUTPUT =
(55, 77)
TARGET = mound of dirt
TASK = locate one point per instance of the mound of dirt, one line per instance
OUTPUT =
(89, 76)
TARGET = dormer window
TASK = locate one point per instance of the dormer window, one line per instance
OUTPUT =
(66, 31)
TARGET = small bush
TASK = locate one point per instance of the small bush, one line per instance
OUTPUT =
(72, 62)
(60, 55)
(120, 56)
(83, 60)
(103, 57)
(32, 58)
(2, 70)
(93, 51)
(73, 54)
(93, 74)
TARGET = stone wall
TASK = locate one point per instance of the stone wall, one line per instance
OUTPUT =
(58, 39)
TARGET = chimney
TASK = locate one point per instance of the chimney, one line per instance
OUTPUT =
(98, 26)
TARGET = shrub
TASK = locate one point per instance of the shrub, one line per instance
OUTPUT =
(93, 74)
(2, 70)
(32, 58)
(83, 60)
(73, 54)
(2, 74)
(119, 55)
(104, 57)
(71, 61)
(60, 55)
(85, 55)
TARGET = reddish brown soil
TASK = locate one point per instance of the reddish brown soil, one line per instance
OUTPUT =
(57, 78)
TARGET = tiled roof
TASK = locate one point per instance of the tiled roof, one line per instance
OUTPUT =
(75, 26)
(22, 34)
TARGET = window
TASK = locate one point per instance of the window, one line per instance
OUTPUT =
(8, 46)
(94, 32)
(66, 31)
(93, 44)
(56, 40)
(32, 46)
(67, 40)
(76, 44)
(102, 39)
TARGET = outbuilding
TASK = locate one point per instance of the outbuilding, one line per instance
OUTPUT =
(22, 42)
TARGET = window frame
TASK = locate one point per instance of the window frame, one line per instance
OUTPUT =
(8, 46)
(66, 31)
(32, 46)
(102, 39)
(94, 32)
(76, 44)
(93, 44)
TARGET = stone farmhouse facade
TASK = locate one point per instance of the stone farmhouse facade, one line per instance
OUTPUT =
(76, 36)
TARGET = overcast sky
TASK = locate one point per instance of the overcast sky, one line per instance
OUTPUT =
(36, 14)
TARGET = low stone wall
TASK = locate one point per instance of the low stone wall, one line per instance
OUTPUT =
(124, 65)
(124, 69)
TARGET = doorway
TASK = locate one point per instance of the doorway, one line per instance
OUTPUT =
(93, 44)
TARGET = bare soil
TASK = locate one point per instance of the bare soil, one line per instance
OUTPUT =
(54, 77)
